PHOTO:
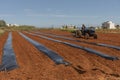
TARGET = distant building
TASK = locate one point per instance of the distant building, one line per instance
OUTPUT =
(108, 25)
(9, 25)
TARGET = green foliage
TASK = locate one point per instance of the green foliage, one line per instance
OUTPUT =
(2, 23)
(19, 28)
(68, 30)
(71, 31)
(24, 28)
(108, 30)
(1, 31)
(117, 26)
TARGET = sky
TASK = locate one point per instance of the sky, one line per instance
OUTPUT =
(46, 13)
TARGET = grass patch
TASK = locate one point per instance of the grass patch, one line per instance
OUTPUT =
(108, 30)
(1, 32)
(19, 28)
(68, 30)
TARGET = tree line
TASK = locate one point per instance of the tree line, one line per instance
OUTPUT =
(3, 23)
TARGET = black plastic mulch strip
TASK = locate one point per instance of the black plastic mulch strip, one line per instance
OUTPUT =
(93, 43)
(80, 47)
(53, 35)
(8, 59)
(51, 54)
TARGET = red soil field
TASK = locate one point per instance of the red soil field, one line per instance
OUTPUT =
(2, 41)
(72, 52)
(35, 65)
(110, 38)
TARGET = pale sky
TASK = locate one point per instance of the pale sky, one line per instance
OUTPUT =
(59, 12)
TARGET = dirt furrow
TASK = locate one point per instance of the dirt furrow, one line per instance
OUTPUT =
(106, 50)
(81, 58)
(3, 39)
(34, 65)
(108, 38)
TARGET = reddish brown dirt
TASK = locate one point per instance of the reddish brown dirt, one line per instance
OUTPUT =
(2, 41)
(109, 38)
(95, 67)
(106, 50)
(58, 32)
(35, 65)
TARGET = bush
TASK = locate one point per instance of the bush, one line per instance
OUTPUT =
(2, 23)
(1, 32)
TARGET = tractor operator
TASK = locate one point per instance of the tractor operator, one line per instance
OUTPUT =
(83, 28)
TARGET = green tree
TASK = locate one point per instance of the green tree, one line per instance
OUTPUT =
(117, 26)
(74, 27)
(2, 23)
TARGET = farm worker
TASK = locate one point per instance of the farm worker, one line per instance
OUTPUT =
(83, 29)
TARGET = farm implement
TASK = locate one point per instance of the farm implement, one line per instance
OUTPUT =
(86, 33)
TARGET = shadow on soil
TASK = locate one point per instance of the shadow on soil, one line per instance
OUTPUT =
(113, 74)
(79, 69)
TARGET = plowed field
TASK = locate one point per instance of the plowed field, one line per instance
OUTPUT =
(35, 65)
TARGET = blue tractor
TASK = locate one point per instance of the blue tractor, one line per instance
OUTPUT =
(86, 33)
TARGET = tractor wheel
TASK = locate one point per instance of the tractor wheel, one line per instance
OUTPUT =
(95, 36)
(86, 36)
(78, 34)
